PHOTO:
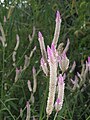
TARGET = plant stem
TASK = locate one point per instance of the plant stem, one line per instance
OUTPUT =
(47, 117)
(55, 116)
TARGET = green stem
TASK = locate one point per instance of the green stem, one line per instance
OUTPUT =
(47, 117)
(55, 116)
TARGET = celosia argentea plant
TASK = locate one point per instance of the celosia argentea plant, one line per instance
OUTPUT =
(52, 58)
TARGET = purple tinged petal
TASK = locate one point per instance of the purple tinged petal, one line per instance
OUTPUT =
(89, 60)
(58, 17)
(53, 47)
(58, 101)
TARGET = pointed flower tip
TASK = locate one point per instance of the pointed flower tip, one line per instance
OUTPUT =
(58, 17)
(39, 34)
(49, 51)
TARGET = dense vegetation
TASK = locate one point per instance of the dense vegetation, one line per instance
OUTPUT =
(19, 17)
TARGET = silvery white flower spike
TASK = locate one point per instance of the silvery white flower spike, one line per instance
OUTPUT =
(17, 43)
(18, 73)
(15, 49)
(14, 57)
(42, 45)
(27, 61)
(73, 67)
(67, 46)
(53, 80)
(61, 85)
(34, 79)
(33, 50)
(44, 66)
(57, 28)
(28, 111)
(29, 86)
(63, 62)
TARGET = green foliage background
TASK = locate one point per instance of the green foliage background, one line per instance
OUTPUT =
(21, 17)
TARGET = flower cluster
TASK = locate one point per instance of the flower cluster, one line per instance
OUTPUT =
(51, 59)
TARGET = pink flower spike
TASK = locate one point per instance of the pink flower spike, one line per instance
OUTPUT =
(89, 60)
(58, 17)
(40, 35)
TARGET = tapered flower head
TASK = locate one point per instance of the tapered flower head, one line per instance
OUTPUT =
(42, 45)
(40, 36)
(57, 28)
(58, 17)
